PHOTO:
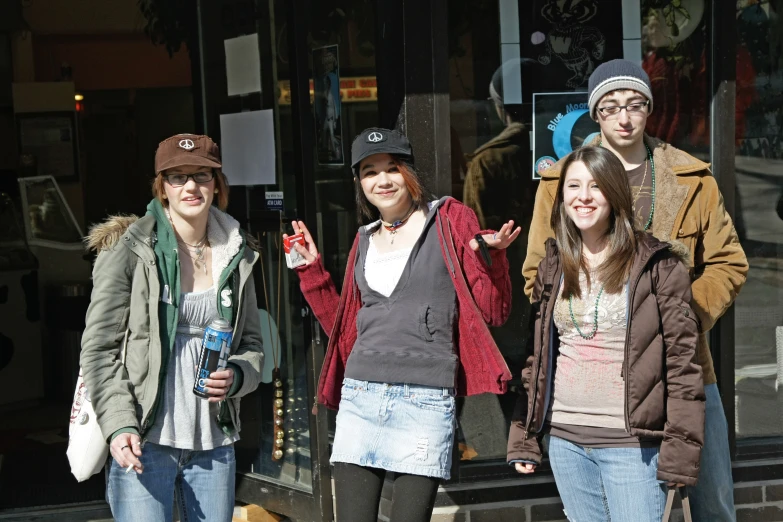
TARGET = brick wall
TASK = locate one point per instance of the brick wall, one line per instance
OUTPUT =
(755, 502)
(759, 501)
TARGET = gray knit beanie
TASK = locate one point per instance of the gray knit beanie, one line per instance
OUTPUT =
(617, 75)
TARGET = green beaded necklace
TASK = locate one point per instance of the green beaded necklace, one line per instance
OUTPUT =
(652, 174)
(595, 315)
(652, 196)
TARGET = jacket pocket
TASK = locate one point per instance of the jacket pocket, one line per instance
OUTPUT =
(687, 235)
(425, 321)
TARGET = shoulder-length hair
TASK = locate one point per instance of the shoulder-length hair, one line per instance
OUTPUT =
(416, 188)
(610, 176)
(221, 184)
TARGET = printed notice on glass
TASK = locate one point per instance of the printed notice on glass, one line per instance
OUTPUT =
(243, 65)
(247, 143)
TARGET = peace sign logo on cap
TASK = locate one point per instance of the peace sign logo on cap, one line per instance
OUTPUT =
(375, 137)
(186, 144)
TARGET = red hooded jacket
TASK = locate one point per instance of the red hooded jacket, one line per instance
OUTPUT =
(483, 295)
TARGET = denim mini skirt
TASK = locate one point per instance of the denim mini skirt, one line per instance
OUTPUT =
(405, 428)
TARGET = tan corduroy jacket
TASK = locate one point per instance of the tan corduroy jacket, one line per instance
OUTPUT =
(688, 208)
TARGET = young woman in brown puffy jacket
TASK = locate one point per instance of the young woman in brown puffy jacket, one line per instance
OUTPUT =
(614, 378)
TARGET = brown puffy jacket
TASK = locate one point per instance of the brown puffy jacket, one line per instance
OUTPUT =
(664, 392)
(689, 209)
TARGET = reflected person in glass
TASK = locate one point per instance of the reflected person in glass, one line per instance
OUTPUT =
(158, 281)
(675, 197)
(614, 377)
(499, 185)
(408, 332)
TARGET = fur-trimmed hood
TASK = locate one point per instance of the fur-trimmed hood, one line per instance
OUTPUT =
(680, 250)
(103, 236)
(225, 236)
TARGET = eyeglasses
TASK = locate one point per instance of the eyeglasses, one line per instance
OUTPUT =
(631, 108)
(177, 180)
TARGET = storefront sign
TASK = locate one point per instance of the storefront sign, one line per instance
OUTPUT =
(274, 200)
(355, 89)
(561, 123)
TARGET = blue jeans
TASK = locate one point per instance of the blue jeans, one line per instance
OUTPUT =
(713, 496)
(607, 484)
(201, 481)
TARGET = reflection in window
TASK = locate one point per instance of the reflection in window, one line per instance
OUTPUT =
(674, 44)
(759, 168)
(501, 53)
(49, 220)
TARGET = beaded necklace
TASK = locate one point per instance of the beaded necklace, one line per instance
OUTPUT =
(392, 227)
(595, 315)
(652, 175)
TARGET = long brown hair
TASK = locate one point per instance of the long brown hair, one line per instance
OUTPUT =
(610, 176)
(416, 188)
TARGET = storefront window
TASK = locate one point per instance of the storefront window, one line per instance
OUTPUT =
(508, 93)
(344, 100)
(674, 47)
(759, 211)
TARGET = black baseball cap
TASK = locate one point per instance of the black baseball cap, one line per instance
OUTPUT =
(376, 140)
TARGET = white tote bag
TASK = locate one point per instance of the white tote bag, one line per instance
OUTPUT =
(87, 449)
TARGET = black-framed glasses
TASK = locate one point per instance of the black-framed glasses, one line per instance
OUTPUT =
(631, 108)
(177, 180)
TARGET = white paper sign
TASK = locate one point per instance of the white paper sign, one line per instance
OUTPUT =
(247, 143)
(243, 65)
(274, 200)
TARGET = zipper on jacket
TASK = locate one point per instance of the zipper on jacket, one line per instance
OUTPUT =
(532, 399)
(624, 372)
(153, 412)
(545, 301)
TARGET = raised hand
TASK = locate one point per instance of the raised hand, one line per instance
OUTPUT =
(309, 251)
(501, 239)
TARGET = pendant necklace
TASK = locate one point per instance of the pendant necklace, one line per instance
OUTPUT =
(652, 176)
(391, 228)
(198, 261)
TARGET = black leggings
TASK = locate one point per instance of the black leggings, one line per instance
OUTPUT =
(358, 494)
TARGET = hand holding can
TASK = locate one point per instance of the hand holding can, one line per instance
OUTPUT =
(214, 354)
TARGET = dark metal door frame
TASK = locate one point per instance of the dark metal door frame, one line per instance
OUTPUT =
(722, 65)
(253, 488)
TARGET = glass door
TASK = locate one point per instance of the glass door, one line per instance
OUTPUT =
(318, 74)
(280, 454)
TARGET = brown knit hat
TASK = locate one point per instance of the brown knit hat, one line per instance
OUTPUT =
(187, 149)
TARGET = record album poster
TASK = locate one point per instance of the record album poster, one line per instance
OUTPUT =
(561, 123)
(328, 107)
(570, 39)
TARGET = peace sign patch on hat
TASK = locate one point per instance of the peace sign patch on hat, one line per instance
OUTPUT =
(376, 140)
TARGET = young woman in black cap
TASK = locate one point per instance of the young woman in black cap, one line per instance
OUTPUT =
(408, 333)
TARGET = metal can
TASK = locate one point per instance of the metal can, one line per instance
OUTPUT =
(214, 353)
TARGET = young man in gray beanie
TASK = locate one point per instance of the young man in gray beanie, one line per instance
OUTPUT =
(675, 198)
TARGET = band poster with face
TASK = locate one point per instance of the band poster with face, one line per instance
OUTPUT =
(561, 123)
(328, 107)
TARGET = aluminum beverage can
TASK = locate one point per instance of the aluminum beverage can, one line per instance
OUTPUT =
(214, 353)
